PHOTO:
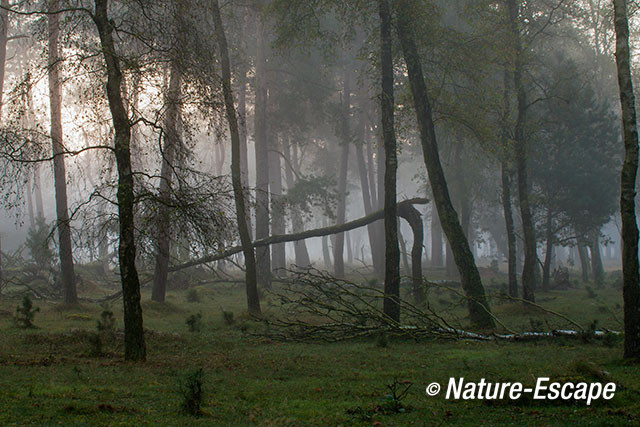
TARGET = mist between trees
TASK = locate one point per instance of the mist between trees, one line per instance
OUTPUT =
(387, 138)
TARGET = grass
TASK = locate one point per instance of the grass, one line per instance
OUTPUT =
(47, 376)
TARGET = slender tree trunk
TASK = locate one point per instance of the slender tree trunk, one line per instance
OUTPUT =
(506, 174)
(338, 248)
(244, 159)
(263, 257)
(367, 202)
(163, 220)
(308, 234)
(326, 253)
(413, 217)
(30, 211)
(521, 148)
(548, 256)
(387, 104)
(584, 260)
(278, 225)
(512, 257)
(4, 28)
(134, 345)
(59, 169)
(479, 311)
(596, 263)
(437, 256)
(403, 251)
(253, 299)
(297, 225)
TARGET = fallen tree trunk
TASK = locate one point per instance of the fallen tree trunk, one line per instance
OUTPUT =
(318, 232)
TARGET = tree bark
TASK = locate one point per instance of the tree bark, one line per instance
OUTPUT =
(546, 267)
(242, 129)
(584, 259)
(338, 248)
(391, 305)
(521, 148)
(278, 226)
(163, 219)
(318, 232)
(4, 28)
(367, 191)
(631, 285)
(134, 345)
(506, 174)
(597, 268)
(59, 170)
(437, 256)
(479, 311)
(253, 299)
(413, 217)
(263, 254)
(297, 225)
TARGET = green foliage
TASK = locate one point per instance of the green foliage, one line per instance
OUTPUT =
(95, 344)
(193, 295)
(38, 244)
(192, 393)
(227, 317)
(25, 314)
(194, 322)
(382, 341)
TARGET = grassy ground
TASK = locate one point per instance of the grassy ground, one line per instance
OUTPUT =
(48, 377)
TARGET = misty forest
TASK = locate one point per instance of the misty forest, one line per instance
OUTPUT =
(304, 212)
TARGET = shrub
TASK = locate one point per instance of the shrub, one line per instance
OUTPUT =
(25, 314)
(228, 318)
(194, 322)
(192, 392)
(193, 296)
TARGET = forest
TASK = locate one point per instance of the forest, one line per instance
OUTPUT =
(319, 212)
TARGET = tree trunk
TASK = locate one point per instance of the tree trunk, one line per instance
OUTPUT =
(163, 219)
(263, 257)
(297, 225)
(59, 169)
(479, 311)
(596, 263)
(253, 299)
(134, 345)
(326, 253)
(318, 232)
(367, 202)
(4, 28)
(278, 226)
(338, 248)
(546, 267)
(521, 148)
(242, 129)
(584, 260)
(506, 174)
(413, 217)
(437, 256)
(512, 256)
(387, 104)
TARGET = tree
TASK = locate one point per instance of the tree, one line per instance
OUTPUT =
(253, 299)
(59, 169)
(521, 147)
(392, 251)
(134, 344)
(630, 280)
(263, 257)
(171, 144)
(479, 310)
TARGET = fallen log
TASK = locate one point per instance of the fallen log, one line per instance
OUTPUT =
(403, 212)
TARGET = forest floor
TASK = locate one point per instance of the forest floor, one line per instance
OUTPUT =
(48, 375)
